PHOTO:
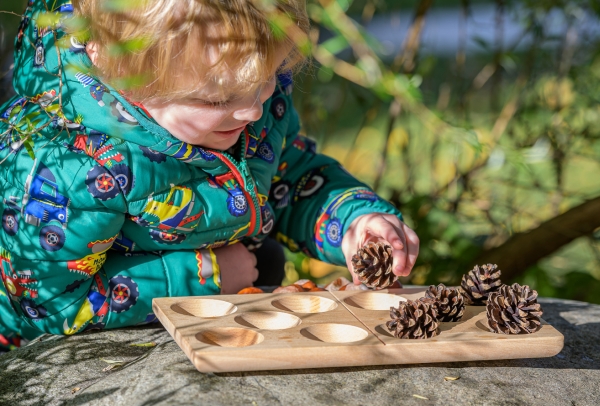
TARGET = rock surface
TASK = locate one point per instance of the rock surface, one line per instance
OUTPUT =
(69, 371)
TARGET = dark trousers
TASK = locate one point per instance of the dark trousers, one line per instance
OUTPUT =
(270, 263)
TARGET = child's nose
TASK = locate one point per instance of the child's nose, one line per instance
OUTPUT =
(251, 112)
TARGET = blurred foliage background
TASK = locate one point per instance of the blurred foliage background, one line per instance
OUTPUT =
(479, 119)
(491, 147)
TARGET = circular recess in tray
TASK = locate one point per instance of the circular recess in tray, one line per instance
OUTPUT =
(334, 333)
(304, 304)
(205, 308)
(374, 300)
(230, 337)
(268, 320)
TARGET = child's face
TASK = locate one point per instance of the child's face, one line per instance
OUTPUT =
(212, 117)
(208, 118)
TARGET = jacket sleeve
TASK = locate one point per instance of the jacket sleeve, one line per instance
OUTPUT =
(57, 268)
(315, 199)
(121, 292)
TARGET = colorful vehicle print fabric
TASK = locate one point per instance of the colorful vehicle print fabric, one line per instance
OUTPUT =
(114, 211)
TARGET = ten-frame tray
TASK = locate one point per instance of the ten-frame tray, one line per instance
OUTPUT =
(271, 331)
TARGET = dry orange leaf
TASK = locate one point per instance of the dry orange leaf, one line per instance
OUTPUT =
(250, 290)
(309, 285)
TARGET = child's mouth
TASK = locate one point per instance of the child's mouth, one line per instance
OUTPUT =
(230, 133)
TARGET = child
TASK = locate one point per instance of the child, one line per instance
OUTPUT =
(143, 191)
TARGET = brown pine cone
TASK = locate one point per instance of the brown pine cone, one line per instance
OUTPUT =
(514, 310)
(478, 283)
(449, 303)
(413, 319)
(373, 265)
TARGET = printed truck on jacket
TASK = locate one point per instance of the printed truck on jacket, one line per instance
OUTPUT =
(19, 287)
(174, 213)
(18, 283)
(42, 203)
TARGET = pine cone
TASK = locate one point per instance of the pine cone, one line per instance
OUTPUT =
(514, 310)
(449, 303)
(479, 283)
(413, 319)
(373, 265)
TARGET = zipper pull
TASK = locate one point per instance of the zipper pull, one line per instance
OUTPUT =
(247, 177)
(245, 171)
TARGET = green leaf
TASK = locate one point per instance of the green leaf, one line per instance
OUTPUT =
(121, 6)
(150, 344)
(28, 144)
(416, 81)
(129, 46)
(79, 26)
(305, 46)
(325, 74)
(470, 137)
(344, 4)
(335, 45)
(16, 110)
(315, 12)
(130, 82)
(48, 20)
(33, 114)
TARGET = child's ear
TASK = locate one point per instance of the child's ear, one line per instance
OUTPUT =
(92, 51)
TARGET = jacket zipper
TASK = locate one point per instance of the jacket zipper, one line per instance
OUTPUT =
(246, 181)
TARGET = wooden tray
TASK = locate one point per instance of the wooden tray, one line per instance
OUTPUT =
(269, 331)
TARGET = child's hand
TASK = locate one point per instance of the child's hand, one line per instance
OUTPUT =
(386, 227)
(238, 268)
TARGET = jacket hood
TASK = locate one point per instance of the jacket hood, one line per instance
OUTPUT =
(53, 70)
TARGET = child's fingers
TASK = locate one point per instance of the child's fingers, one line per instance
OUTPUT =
(412, 242)
(400, 261)
(382, 228)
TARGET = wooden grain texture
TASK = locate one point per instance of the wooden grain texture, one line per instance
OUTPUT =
(312, 330)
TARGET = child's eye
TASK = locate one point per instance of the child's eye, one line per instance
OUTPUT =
(220, 103)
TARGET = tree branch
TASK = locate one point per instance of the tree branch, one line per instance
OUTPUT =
(525, 249)
(411, 43)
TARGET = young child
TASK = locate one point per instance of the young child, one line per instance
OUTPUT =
(137, 192)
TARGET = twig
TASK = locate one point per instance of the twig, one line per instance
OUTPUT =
(10, 12)
(394, 113)
(407, 57)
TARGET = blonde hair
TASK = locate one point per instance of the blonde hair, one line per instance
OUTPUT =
(149, 47)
